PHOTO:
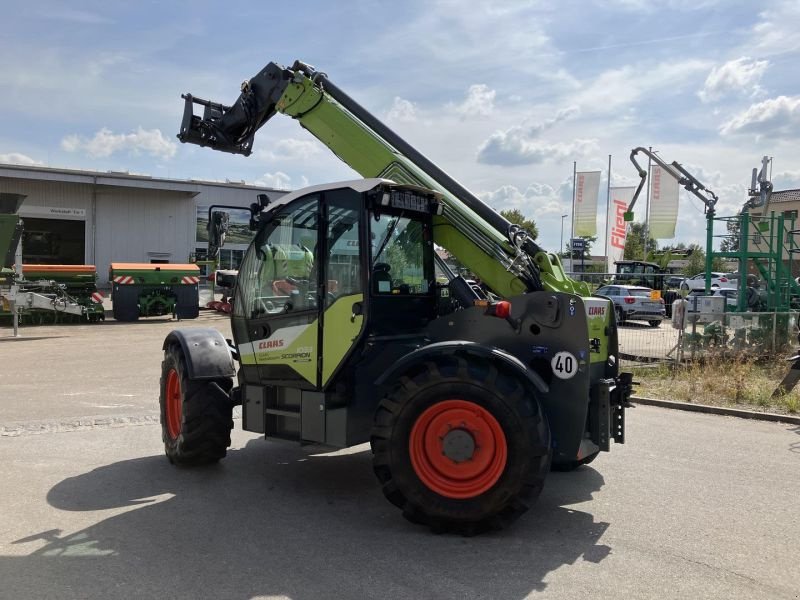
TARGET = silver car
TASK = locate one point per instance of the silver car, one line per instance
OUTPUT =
(633, 303)
(698, 282)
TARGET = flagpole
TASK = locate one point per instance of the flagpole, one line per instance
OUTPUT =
(572, 224)
(647, 204)
(608, 206)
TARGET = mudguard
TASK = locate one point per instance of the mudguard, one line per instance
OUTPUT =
(475, 349)
(207, 353)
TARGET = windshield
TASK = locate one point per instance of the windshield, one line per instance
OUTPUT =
(640, 292)
(398, 255)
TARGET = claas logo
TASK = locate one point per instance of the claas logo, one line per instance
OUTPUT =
(597, 311)
(270, 344)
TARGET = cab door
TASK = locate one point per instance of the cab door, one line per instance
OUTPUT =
(276, 306)
(343, 283)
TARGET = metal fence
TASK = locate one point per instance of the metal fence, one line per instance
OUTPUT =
(699, 332)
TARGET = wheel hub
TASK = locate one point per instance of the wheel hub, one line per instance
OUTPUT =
(458, 445)
(458, 449)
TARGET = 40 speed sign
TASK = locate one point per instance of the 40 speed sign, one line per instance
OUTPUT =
(564, 365)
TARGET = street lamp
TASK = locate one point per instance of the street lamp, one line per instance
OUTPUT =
(561, 246)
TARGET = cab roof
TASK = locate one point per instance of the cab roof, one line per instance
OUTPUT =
(359, 185)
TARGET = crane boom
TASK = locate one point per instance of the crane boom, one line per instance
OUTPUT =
(472, 231)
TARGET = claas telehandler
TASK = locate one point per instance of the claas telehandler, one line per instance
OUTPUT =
(348, 327)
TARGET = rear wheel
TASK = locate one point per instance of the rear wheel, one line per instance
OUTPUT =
(196, 416)
(620, 315)
(461, 445)
(125, 303)
(655, 323)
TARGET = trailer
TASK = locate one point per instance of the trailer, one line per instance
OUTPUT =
(21, 298)
(79, 282)
(151, 290)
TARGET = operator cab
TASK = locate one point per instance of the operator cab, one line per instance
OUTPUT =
(330, 267)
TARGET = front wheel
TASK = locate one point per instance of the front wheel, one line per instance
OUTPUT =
(461, 445)
(196, 416)
(654, 323)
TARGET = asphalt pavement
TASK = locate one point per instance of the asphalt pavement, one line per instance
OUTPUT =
(692, 506)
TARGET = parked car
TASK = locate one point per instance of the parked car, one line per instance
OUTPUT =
(634, 303)
(674, 281)
(698, 282)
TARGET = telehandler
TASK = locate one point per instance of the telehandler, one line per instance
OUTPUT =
(467, 395)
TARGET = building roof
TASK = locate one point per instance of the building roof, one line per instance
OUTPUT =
(785, 196)
(119, 179)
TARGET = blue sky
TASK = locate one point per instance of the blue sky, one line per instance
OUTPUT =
(503, 95)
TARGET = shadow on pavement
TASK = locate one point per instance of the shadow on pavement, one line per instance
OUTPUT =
(795, 446)
(277, 520)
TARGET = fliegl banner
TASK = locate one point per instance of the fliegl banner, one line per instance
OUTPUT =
(587, 188)
(663, 204)
(616, 227)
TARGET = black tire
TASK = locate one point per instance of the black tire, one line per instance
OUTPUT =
(125, 303)
(187, 301)
(654, 323)
(620, 315)
(201, 433)
(495, 390)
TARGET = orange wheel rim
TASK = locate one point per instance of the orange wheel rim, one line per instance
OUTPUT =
(174, 404)
(458, 449)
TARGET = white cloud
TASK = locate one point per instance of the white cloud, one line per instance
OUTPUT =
(649, 6)
(74, 16)
(511, 149)
(537, 200)
(290, 149)
(776, 31)
(15, 158)
(520, 145)
(105, 143)
(478, 103)
(565, 114)
(617, 88)
(786, 180)
(740, 76)
(402, 111)
(777, 117)
(280, 181)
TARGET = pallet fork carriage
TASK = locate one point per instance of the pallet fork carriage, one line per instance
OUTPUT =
(467, 394)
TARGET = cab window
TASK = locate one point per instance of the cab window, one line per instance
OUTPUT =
(278, 272)
(398, 255)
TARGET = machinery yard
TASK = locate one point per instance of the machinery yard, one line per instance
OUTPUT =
(498, 301)
(94, 509)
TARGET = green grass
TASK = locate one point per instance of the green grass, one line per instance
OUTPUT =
(739, 383)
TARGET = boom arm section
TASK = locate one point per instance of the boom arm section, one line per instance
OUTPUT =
(470, 229)
(686, 179)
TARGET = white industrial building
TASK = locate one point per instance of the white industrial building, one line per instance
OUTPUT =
(88, 217)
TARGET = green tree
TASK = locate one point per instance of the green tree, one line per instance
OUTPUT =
(731, 242)
(515, 216)
(634, 243)
(697, 262)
